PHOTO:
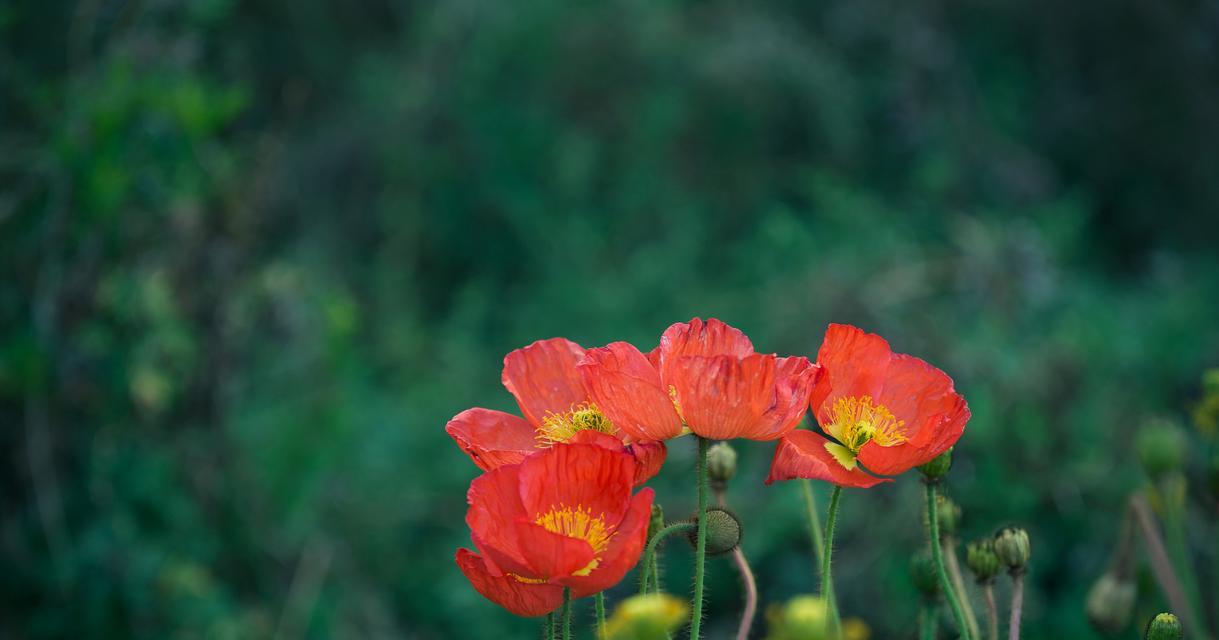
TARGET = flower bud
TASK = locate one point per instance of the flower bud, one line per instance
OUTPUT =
(923, 574)
(981, 559)
(1164, 626)
(723, 532)
(938, 467)
(948, 513)
(1110, 602)
(721, 463)
(802, 618)
(1161, 448)
(1206, 412)
(1012, 549)
(657, 521)
(646, 617)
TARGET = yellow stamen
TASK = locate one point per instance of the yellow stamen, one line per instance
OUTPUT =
(578, 523)
(560, 427)
(527, 580)
(857, 421)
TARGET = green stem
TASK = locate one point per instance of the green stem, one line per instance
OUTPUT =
(927, 623)
(938, 558)
(700, 548)
(827, 582)
(814, 520)
(548, 630)
(1017, 608)
(566, 614)
(649, 555)
(599, 599)
(1172, 493)
(949, 549)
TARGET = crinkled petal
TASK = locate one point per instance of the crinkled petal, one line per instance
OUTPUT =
(492, 438)
(698, 338)
(759, 397)
(519, 598)
(855, 365)
(591, 477)
(935, 415)
(627, 389)
(494, 509)
(543, 378)
(649, 457)
(802, 454)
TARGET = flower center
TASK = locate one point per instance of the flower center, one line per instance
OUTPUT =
(578, 523)
(560, 427)
(856, 422)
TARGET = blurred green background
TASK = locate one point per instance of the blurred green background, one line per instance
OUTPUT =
(256, 254)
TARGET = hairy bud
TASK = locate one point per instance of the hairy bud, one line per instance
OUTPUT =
(721, 463)
(1164, 626)
(981, 559)
(1012, 549)
(1110, 603)
(938, 467)
(723, 532)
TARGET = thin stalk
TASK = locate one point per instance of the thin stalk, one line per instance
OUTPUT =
(949, 548)
(1013, 624)
(599, 600)
(827, 582)
(933, 521)
(649, 555)
(655, 570)
(992, 612)
(814, 520)
(747, 579)
(1172, 493)
(700, 548)
(927, 623)
(1162, 569)
(548, 630)
(566, 614)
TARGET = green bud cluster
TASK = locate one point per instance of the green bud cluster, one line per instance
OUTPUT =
(1012, 549)
(981, 559)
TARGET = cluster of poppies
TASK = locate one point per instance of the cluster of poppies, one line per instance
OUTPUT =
(558, 508)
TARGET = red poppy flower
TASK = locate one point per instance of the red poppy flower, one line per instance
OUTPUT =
(550, 393)
(890, 411)
(704, 377)
(562, 518)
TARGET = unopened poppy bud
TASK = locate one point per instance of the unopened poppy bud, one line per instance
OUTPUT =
(1161, 448)
(801, 618)
(723, 532)
(646, 617)
(938, 467)
(981, 559)
(923, 574)
(1110, 602)
(721, 463)
(657, 521)
(948, 513)
(1164, 626)
(1012, 549)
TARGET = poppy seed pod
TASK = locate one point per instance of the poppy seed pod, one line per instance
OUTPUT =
(1164, 626)
(981, 559)
(938, 467)
(1012, 549)
(923, 575)
(721, 463)
(723, 532)
(1110, 602)
(1161, 448)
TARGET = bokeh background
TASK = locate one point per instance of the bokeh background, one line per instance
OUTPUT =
(255, 255)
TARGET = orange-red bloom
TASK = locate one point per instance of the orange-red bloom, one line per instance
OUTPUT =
(550, 393)
(889, 411)
(704, 376)
(563, 517)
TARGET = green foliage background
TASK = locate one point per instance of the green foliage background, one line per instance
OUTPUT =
(256, 254)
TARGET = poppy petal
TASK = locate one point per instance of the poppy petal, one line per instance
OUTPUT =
(627, 389)
(802, 454)
(934, 413)
(649, 457)
(855, 364)
(543, 378)
(588, 477)
(494, 508)
(698, 338)
(492, 438)
(553, 554)
(519, 598)
(794, 380)
(623, 551)
(759, 397)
